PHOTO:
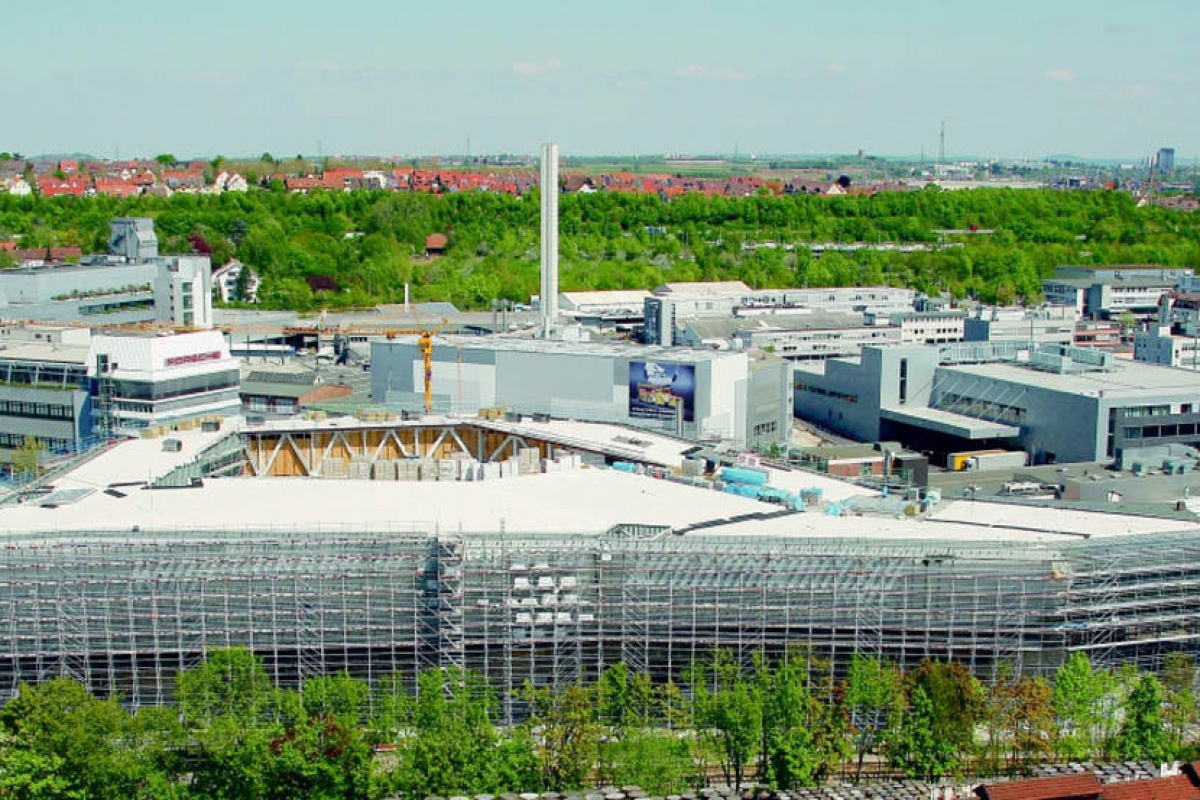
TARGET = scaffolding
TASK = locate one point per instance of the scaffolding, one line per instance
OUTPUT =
(123, 612)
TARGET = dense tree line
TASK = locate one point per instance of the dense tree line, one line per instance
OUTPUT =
(787, 723)
(371, 243)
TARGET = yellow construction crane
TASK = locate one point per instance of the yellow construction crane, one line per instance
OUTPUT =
(424, 342)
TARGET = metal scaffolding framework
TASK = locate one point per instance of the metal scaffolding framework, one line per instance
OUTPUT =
(124, 612)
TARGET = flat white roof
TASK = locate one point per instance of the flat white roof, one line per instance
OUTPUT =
(949, 422)
(46, 353)
(1127, 380)
(578, 501)
(140, 460)
(1003, 517)
(635, 352)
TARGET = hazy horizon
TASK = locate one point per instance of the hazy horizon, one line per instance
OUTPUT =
(1099, 79)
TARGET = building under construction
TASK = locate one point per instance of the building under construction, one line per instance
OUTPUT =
(552, 577)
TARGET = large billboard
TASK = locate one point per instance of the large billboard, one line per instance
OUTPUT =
(657, 391)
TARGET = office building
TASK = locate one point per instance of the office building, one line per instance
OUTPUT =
(66, 387)
(1164, 159)
(674, 304)
(1043, 325)
(1108, 292)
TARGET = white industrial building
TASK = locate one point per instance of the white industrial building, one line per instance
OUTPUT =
(674, 304)
(1158, 346)
(796, 337)
(927, 327)
(65, 387)
(1041, 325)
(611, 308)
(132, 283)
(695, 393)
(1108, 292)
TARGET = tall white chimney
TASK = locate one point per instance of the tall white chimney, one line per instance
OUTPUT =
(549, 191)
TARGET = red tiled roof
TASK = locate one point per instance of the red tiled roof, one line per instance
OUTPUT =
(116, 187)
(436, 241)
(1178, 787)
(1185, 786)
(48, 253)
(1066, 787)
(53, 187)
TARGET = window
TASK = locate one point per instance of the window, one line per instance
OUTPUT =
(903, 380)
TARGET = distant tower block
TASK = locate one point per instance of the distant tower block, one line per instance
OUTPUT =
(1165, 159)
(549, 192)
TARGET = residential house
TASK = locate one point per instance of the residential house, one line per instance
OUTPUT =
(226, 280)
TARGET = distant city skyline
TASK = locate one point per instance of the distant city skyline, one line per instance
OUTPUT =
(1097, 79)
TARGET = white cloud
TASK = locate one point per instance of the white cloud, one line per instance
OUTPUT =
(691, 71)
(834, 66)
(536, 67)
(1060, 74)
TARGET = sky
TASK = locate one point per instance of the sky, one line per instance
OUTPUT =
(1008, 78)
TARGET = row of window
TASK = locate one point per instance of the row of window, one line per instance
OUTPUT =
(20, 408)
(1162, 431)
(142, 390)
(15, 440)
(766, 428)
(1155, 411)
(982, 409)
(821, 390)
(275, 406)
(42, 373)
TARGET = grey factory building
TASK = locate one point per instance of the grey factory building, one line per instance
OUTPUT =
(1057, 403)
(695, 393)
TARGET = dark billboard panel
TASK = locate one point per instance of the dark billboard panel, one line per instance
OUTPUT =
(656, 390)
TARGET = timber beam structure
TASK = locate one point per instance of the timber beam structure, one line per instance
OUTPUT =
(298, 451)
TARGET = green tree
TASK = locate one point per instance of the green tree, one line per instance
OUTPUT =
(1180, 712)
(230, 682)
(321, 757)
(914, 746)
(659, 761)
(229, 708)
(165, 159)
(448, 742)
(28, 457)
(1078, 696)
(61, 736)
(567, 735)
(29, 775)
(800, 741)
(1142, 735)
(956, 700)
(625, 700)
(729, 714)
(872, 693)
